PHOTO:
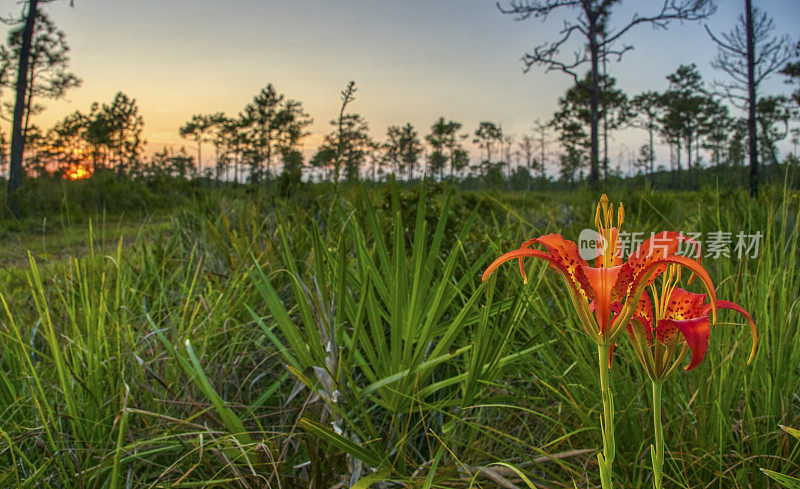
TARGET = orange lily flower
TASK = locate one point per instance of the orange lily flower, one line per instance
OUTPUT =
(678, 318)
(605, 296)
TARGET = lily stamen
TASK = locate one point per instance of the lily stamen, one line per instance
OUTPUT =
(604, 222)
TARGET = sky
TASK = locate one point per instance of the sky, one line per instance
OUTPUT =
(412, 60)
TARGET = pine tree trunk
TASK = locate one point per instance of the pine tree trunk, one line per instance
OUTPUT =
(17, 137)
(605, 128)
(652, 155)
(451, 164)
(605, 147)
(697, 151)
(236, 169)
(29, 97)
(594, 96)
(541, 163)
(751, 99)
(217, 168)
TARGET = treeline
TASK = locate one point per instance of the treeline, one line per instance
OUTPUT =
(266, 139)
(688, 116)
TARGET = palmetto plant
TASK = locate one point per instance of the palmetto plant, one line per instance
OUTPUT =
(390, 338)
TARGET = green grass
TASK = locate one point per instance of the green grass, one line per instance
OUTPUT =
(239, 339)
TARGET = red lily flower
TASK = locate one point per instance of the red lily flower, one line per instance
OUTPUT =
(605, 296)
(678, 318)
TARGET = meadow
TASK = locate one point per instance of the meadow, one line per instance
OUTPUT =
(175, 334)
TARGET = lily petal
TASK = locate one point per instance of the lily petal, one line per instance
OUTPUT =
(520, 254)
(567, 254)
(562, 254)
(736, 307)
(624, 280)
(646, 275)
(666, 331)
(644, 315)
(659, 247)
(696, 332)
(602, 281)
(524, 245)
(683, 304)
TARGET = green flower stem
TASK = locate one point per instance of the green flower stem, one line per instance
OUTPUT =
(657, 452)
(606, 459)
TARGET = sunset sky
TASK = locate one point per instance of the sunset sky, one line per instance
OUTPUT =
(412, 60)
